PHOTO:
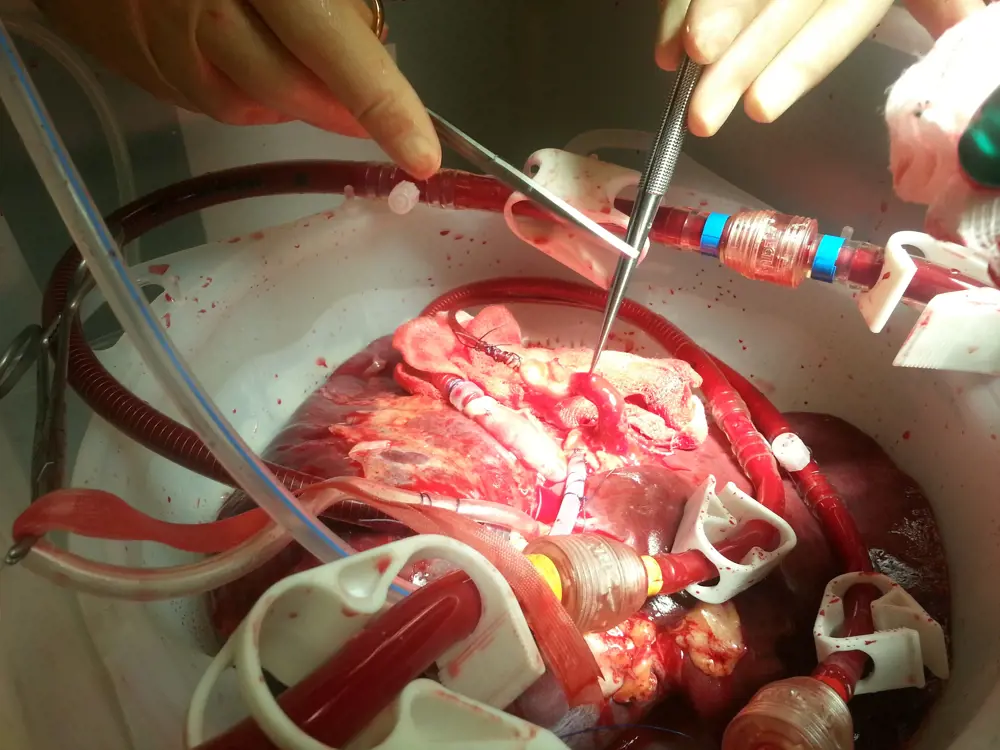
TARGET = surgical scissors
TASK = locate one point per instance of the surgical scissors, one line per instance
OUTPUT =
(653, 184)
(516, 180)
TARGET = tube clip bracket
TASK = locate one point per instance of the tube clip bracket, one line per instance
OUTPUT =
(906, 638)
(710, 518)
(588, 185)
(303, 620)
(898, 269)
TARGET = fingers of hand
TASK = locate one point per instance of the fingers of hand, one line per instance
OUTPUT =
(170, 30)
(833, 32)
(937, 16)
(713, 25)
(330, 38)
(724, 82)
(670, 35)
(233, 37)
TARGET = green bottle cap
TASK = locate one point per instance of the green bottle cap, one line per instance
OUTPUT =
(979, 147)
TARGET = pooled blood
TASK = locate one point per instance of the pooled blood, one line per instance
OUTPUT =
(401, 431)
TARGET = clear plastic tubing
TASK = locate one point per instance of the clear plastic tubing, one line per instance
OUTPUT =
(104, 260)
(63, 54)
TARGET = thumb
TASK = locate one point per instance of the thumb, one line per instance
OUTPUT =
(333, 40)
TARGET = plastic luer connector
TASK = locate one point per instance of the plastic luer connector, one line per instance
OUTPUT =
(769, 246)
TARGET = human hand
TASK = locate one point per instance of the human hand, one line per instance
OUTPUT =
(771, 52)
(253, 62)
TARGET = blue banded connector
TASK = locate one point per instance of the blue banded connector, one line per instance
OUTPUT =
(824, 267)
(711, 234)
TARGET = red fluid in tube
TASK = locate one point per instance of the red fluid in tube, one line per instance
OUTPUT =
(341, 697)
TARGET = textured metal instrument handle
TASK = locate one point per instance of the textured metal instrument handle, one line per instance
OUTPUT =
(666, 148)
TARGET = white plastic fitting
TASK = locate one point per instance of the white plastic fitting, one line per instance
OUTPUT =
(301, 621)
(429, 716)
(790, 452)
(403, 197)
(906, 638)
(957, 331)
(591, 187)
(572, 499)
(898, 270)
(710, 518)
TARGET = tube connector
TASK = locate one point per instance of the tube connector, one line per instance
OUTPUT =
(601, 582)
(769, 246)
(800, 713)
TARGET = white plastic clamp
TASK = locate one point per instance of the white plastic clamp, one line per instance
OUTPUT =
(302, 620)
(427, 716)
(898, 270)
(906, 638)
(958, 331)
(590, 186)
(711, 518)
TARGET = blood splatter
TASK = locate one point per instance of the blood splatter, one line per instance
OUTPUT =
(159, 269)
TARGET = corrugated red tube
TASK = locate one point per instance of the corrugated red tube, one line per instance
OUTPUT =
(840, 671)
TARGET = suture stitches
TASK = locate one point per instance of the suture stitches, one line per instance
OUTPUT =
(494, 352)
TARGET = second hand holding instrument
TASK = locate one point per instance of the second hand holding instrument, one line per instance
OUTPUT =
(655, 180)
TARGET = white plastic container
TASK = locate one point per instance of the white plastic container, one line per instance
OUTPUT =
(87, 673)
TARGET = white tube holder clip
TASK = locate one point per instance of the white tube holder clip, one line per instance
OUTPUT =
(590, 186)
(427, 716)
(711, 518)
(957, 331)
(303, 620)
(906, 638)
(898, 270)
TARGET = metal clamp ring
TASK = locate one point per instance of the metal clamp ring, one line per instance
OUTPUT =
(378, 17)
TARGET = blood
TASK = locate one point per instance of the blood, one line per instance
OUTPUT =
(379, 416)
(611, 426)
(159, 269)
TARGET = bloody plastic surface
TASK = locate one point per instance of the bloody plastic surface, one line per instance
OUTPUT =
(342, 697)
(710, 658)
(448, 189)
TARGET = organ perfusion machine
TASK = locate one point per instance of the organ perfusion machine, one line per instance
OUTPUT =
(448, 528)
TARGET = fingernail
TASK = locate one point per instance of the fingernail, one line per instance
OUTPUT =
(716, 34)
(419, 155)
